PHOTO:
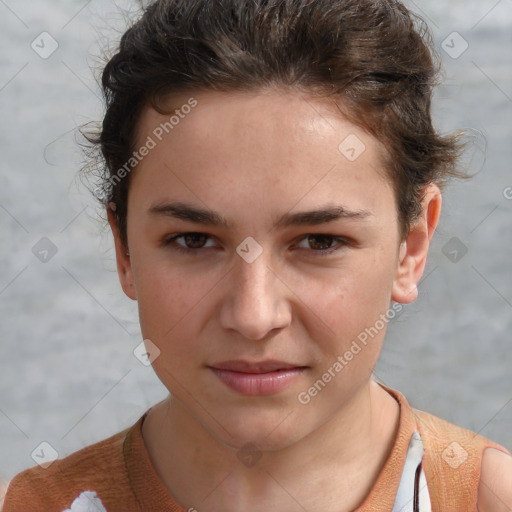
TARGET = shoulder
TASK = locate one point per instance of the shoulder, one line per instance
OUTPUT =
(495, 488)
(97, 467)
(4, 483)
(463, 468)
(448, 439)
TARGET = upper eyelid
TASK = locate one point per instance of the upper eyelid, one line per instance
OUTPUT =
(183, 233)
(171, 238)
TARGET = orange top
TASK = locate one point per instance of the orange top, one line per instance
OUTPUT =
(119, 470)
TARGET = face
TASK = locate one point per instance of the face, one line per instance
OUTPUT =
(254, 236)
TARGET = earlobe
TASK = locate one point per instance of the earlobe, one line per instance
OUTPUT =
(123, 261)
(413, 251)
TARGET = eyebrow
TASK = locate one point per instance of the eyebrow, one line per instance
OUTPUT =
(187, 212)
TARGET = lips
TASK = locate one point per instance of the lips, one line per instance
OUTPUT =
(267, 366)
(257, 378)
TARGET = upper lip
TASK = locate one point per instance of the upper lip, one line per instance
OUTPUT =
(266, 366)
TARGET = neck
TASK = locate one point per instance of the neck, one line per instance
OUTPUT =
(341, 458)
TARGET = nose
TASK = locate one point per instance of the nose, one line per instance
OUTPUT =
(255, 300)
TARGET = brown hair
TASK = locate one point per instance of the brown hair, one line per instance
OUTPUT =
(374, 55)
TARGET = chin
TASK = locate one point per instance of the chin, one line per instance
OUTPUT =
(249, 434)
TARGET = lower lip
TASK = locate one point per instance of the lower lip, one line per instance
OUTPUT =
(258, 384)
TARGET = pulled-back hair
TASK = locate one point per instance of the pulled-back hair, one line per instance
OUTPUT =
(375, 56)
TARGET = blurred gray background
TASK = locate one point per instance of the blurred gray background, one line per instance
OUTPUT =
(68, 375)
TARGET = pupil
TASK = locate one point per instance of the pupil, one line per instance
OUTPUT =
(191, 240)
(325, 239)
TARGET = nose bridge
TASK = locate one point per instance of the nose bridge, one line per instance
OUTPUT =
(253, 278)
(255, 301)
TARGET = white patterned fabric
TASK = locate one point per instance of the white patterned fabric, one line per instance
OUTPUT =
(406, 496)
(86, 502)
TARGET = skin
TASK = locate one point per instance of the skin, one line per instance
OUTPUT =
(495, 489)
(253, 157)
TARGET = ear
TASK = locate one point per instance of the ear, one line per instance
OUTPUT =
(124, 264)
(414, 249)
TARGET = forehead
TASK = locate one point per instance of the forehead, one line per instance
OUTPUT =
(286, 114)
(268, 146)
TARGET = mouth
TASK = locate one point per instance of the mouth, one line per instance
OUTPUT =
(257, 378)
(267, 366)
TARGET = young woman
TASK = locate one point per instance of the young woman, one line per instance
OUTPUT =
(273, 181)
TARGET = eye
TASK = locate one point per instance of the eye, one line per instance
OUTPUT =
(192, 242)
(321, 244)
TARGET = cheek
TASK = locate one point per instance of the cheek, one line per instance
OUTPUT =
(350, 301)
(170, 316)
(168, 301)
(367, 286)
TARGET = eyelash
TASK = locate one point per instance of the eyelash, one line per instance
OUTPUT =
(170, 241)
